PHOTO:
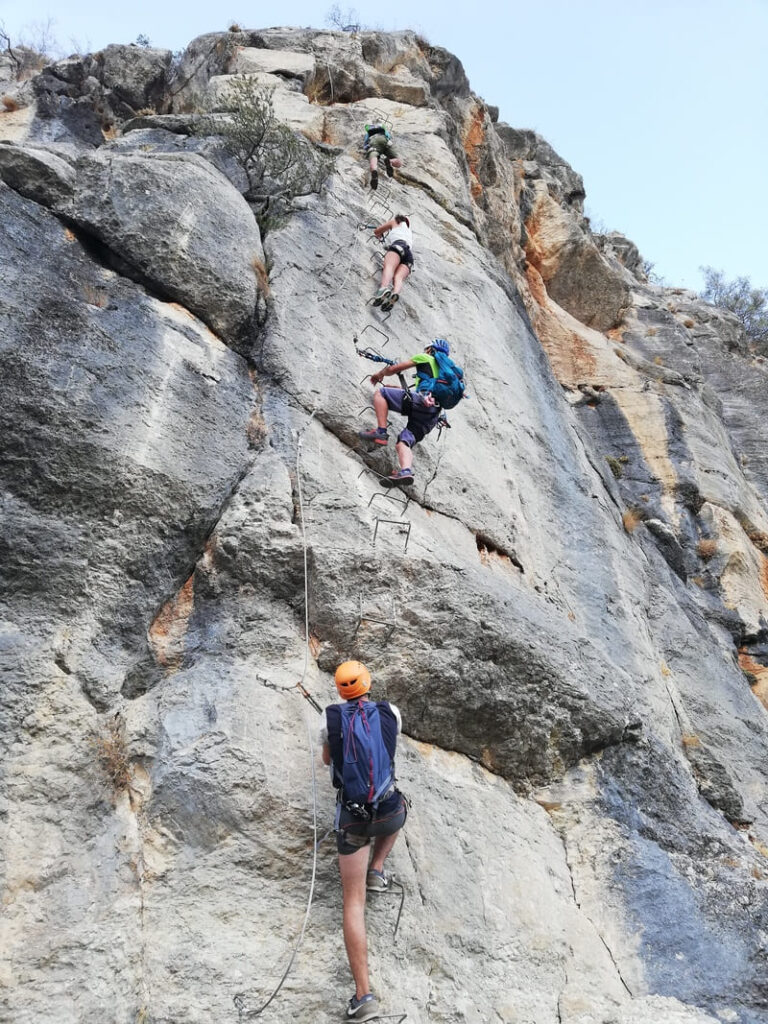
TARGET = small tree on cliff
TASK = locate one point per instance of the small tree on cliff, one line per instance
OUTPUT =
(280, 164)
(749, 304)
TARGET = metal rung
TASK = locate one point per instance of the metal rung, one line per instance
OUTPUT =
(371, 327)
(401, 523)
(391, 623)
(399, 499)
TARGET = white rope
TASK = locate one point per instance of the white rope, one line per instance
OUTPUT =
(256, 1013)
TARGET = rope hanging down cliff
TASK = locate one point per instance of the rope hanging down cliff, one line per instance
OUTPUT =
(239, 999)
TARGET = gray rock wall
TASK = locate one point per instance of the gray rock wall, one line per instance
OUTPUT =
(570, 611)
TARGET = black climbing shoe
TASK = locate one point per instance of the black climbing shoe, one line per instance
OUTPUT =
(374, 180)
(388, 165)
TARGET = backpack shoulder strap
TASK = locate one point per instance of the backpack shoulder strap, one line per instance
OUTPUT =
(333, 719)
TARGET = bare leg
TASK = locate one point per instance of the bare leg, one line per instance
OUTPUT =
(389, 270)
(353, 868)
(374, 160)
(382, 409)
(382, 847)
(401, 274)
(405, 458)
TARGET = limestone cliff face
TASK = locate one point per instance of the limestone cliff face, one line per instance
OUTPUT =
(571, 611)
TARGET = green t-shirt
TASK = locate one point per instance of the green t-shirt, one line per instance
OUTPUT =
(426, 366)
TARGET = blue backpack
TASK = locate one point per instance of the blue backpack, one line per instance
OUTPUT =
(367, 767)
(448, 388)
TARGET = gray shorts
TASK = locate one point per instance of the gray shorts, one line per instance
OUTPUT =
(421, 418)
(352, 834)
(381, 145)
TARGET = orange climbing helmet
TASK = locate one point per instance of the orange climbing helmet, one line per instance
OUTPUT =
(352, 679)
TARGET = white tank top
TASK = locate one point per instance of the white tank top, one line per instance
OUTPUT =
(400, 233)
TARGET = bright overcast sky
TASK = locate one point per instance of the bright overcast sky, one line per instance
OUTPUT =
(659, 104)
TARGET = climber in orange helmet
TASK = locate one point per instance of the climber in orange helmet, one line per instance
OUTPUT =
(359, 738)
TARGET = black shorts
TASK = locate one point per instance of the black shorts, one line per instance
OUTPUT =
(352, 834)
(403, 250)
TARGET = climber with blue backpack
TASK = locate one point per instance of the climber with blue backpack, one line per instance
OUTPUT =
(359, 739)
(439, 386)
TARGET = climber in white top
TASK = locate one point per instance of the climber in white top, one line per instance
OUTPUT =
(398, 259)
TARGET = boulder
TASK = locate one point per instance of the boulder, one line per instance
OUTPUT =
(37, 174)
(181, 225)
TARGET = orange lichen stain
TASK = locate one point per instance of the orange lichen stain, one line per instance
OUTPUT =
(474, 138)
(616, 333)
(256, 430)
(549, 805)
(536, 284)
(487, 760)
(665, 669)
(181, 309)
(764, 574)
(689, 739)
(760, 847)
(570, 354)
(757, 674)
(425, 749)
(169, 629)
(69, 235)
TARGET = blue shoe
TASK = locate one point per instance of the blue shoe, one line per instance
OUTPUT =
(379, 436)
(363, 1008)
(400, 478)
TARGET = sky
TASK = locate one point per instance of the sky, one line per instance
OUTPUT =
(659, 104)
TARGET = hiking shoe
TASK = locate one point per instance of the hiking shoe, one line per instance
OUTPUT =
(382, 295)
(376, 881)
(379, 436)
(374, 186)
(388, 165)
(390, 301)
(363, 1008)
(399, 478)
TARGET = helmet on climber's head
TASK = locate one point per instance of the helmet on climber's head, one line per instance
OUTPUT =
(440, 345)
(352, 679)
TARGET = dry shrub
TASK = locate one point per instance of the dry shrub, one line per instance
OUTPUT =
(112, 752)
(666, 671)
(145, 112)
(234, 27)
(759, 539)
(651, 332)
(262, 277)
(617, 464)
(706, 548)
(690, 739)
(658, 361)
(9, 103)
(95, 296)
(631, 519)
(689, 323)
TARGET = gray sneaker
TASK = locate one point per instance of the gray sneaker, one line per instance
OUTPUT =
(362, 1009)
(376, 881)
